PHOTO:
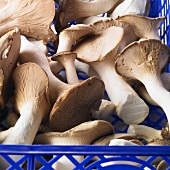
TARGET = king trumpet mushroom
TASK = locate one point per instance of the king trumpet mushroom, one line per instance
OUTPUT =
(84, 134)
(70, 10)
(136, 7)
(144, 27)
(31, 101)
(33, 18)
(128, 36)
(71, 103)
(67, 38)
(99, 51)
(9, 50)
(143, 61)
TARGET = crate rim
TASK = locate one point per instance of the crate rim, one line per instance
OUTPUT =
(84, 150)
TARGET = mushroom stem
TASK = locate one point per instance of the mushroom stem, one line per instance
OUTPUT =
(121, 94)
(152, 84)
(29, 121)
(145, 132)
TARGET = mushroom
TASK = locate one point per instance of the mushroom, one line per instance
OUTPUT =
(67, 60)
(136, 7)
(145, 132)
(66, 39)
(33, 18)
(83, 134)
(128, 36)
(144, 27)
(9, 50)
(99, 51)
(31, 101)
(69, 36)
(70, 10)
(71, 103)
(143, 60)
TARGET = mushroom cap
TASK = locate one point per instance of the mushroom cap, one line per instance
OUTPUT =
(73, 106)
(33, 18)
(31, 90)
(64, 56)
(70, 10)
(9, 50)
(70, 35)
(100, 45)
(142, 58)
(84, 133)
(129, 33)
(144, 27)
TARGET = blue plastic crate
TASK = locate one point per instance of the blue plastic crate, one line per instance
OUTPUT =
(32, 154)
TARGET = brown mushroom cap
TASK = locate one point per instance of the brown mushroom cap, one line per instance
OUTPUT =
(129, 33)
(33, 18)
(144, 27)
(9, 50)
(64, 57)
(31, 91)
(73, 107)
(70, 10)
(141, 58)
(85, 133)
(89, 49)
(69, 36)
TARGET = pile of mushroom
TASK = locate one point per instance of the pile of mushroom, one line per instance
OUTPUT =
(121, 53)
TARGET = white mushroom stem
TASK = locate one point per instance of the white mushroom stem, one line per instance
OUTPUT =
(120, 93)
(156, 89)
(27, 123)
(67, 60)
(145, 132)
